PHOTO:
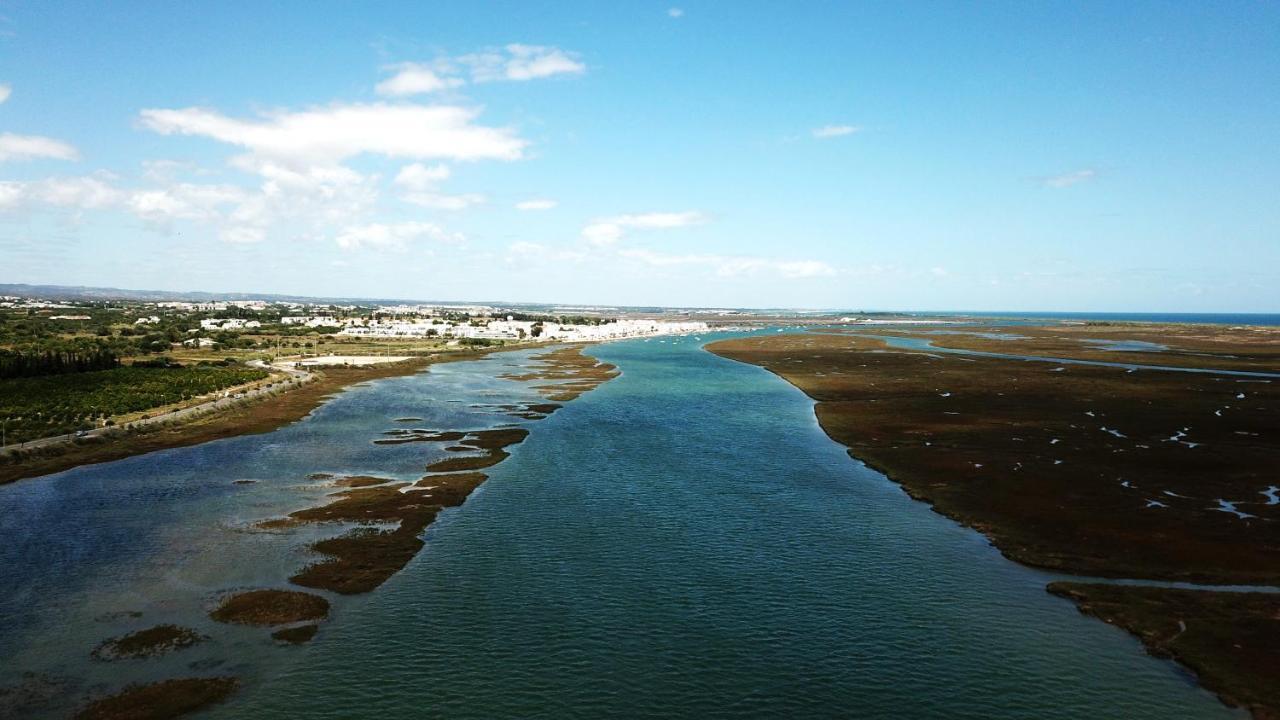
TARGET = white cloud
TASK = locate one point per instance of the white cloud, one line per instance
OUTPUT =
(81, 193)
(394, 236)
(184, 201)
(609, 230)
(827, 132)
(675, 12)
(515, 62)
(328, 135)
(421, 177)
(1070, 178)
(938, 271)
(5, 92)
(419, 182)
(29, 147)
(442, 201)
(540, 204)
(415, 79)
(521, 62)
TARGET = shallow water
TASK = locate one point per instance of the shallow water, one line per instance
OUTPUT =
(909, 343)
(1126, 345)
(682, 541)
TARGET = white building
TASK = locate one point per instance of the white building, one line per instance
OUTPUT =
(229, 324)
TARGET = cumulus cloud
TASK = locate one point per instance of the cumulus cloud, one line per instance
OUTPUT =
(393, 236)
(515, 62)
(415, 79)
(418, 184)
(827, 132)
(608, 231)
(539, 204)
(30, 147)
(1068, 179)
(675, 12)
(5, 92)
(183, 201)
(329, 135)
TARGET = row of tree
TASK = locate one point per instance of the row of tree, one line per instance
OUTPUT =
(14, 364)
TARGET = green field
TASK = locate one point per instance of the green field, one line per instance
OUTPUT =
(38, 407)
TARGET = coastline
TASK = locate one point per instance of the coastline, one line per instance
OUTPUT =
(260, 415)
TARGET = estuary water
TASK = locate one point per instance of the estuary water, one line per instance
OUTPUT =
(683, 541)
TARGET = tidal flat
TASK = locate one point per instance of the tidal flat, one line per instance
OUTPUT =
(1080, 469)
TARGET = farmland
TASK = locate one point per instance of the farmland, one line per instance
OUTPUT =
(36, 407)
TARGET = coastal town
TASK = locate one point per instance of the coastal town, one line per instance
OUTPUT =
(76, 367)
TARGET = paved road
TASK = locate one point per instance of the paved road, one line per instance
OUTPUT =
(296, 377)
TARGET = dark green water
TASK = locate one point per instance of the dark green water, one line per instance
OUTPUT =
(682, 542)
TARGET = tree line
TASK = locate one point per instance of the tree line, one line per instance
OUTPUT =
(16, 363)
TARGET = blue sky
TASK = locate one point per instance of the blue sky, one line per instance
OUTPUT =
(995, 156)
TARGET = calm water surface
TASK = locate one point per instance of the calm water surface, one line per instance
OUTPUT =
(683, 541)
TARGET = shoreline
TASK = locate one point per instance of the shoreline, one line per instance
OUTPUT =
(259, 415)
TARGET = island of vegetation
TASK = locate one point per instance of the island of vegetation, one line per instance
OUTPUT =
(163, 699)
(1082, 469)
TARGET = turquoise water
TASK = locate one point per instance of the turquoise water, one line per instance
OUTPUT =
(682, 541)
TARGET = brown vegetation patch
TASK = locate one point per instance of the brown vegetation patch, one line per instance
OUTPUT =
(151, 642)
(359, 481)
(271, 607)
(1090, 470)
(296, 635)
(363, 559)
(409, 436)
(159, 700)
(572, 372)
(492, 442)
(1228, 639)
